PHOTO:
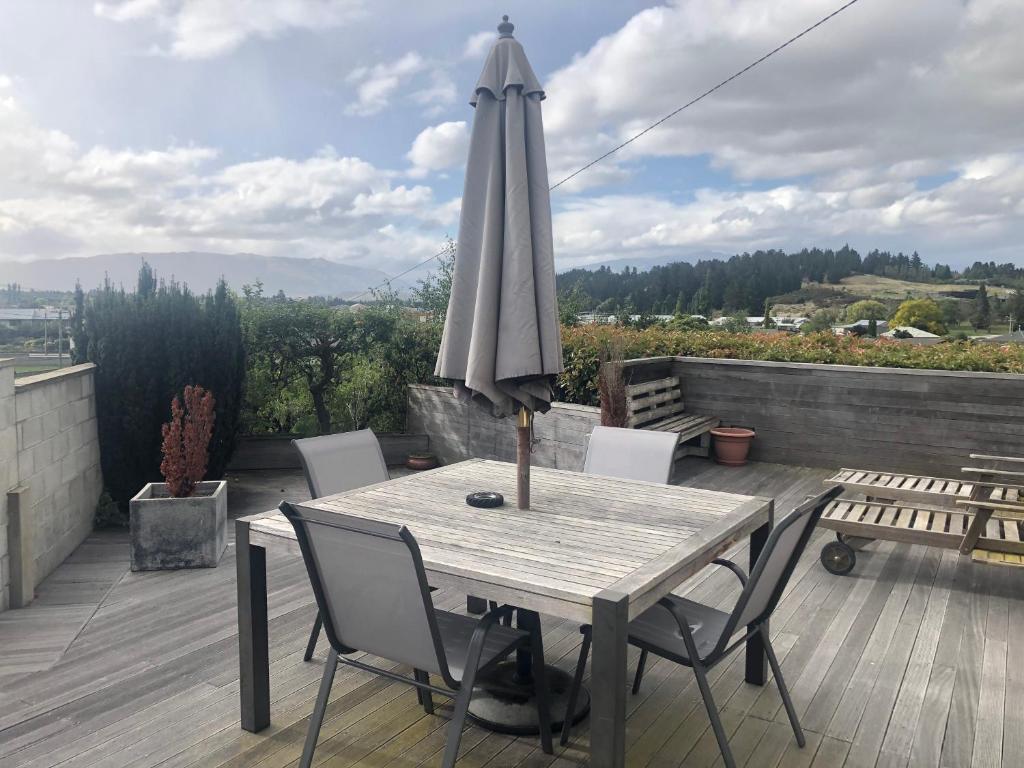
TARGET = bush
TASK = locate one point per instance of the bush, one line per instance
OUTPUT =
(147, 347)
(584, 347)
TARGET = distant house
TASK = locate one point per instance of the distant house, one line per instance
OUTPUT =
(790, 324)
(917, 336)
(861, 328)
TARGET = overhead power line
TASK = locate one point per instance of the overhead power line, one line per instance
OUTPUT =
(651, 127)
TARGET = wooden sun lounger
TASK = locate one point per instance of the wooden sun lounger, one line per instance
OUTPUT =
(982, 516)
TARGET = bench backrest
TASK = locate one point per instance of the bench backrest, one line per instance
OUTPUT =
(652, 401)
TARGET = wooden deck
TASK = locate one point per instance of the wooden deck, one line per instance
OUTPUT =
(909, 662)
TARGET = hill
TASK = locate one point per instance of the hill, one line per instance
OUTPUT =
(201, 271)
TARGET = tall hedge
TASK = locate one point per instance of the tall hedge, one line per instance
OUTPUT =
(147, 346)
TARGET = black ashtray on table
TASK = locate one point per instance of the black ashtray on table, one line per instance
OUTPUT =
(485, 499)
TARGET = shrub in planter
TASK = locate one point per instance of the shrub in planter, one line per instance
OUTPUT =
(182, 522)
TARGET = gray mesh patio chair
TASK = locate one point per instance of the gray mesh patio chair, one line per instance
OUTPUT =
(371, 588)
(633, 454)
(699, 636)
(334, 464)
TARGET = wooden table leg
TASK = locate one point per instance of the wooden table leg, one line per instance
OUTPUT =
(608, 681)
(757, 661)
(253, 645)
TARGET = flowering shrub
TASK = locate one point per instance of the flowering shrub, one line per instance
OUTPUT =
(585, 346)
(187, 441)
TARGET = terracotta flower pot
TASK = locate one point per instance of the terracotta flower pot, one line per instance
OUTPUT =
(421, 461)
(732, 444)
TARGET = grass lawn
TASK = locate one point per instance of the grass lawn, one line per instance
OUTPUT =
(970, 330)
(889, 288)
(30, 369)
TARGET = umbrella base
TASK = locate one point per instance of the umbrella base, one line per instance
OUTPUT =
(502, 702)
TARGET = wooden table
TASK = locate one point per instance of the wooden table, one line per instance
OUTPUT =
(595, 549)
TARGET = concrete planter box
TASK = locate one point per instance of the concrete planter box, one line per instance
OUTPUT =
(169, 533)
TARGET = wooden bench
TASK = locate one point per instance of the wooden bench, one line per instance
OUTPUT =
(658, 405)
(982, 517)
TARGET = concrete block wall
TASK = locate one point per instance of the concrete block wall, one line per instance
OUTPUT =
(56, 460)
(8, 471)
(459, 431)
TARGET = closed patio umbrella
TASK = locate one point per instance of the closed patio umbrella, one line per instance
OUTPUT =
(501, 340)
(502, 344)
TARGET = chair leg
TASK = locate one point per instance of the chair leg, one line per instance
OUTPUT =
(540, 683)
(317, 718)
(716, 721)
(577, 682)
(313, 637)
(783, 690)
(639, 671)
(451, 748)
(422, 694)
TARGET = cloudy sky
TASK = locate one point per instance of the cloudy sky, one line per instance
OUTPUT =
(338, 128)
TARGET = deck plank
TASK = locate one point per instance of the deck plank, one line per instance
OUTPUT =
(900, 664)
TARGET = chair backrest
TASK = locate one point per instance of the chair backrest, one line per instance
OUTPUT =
(632, 454)
(775, 565)
(370, 587)
(341, 462)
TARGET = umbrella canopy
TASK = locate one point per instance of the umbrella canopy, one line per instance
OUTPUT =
(502, 342)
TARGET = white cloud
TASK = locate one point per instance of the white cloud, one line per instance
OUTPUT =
(972, 211)
(377, 84)
(925, 82)
(478, 44)
(201, 29)
(439, 147)
(57, 199)
(436, 96)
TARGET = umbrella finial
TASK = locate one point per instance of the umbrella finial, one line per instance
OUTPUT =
(506, 27)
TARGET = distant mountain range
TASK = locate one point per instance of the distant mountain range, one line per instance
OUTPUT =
(201, 271)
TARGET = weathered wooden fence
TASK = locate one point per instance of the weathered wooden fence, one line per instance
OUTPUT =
(805, 414)
(841, 415)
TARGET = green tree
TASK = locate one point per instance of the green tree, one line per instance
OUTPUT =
(982, 317)
(570, 305)
(950, 311)
(920, 313)
(301, 339)
(687, 323)
(866, 309)
(680, 308)
(768, 322)
(433, 292)
(822, 320)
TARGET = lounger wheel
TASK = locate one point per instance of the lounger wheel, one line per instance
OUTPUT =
(838, 558)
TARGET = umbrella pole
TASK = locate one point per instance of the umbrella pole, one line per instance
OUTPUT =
(523, 448)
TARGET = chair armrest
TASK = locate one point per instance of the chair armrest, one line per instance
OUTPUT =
(740, 573)
(684, 627)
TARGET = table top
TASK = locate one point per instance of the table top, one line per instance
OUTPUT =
(584, 534)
